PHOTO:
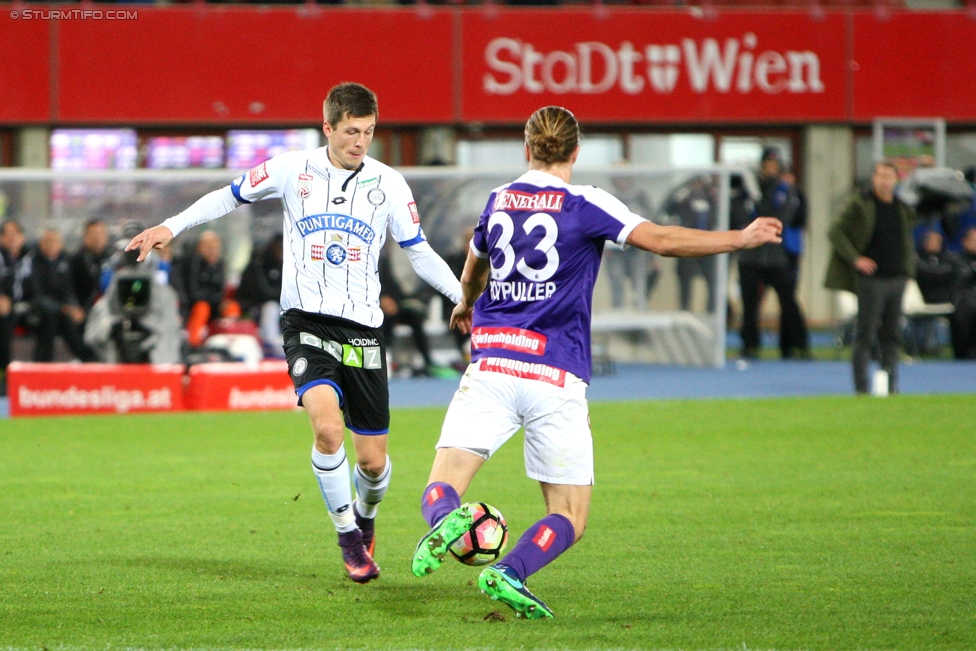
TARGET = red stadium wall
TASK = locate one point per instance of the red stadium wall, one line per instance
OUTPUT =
(218, 65)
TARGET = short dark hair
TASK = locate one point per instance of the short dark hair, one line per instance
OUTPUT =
(349, 99)
(94, 221)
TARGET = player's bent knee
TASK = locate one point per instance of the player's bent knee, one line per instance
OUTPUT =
(372, 467)
(328, 437)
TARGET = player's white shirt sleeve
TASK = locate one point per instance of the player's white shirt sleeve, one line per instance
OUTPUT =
(206, 209)
(262, 182)
(405, 229)
(404, 218)
(432, 268)
(609, 217)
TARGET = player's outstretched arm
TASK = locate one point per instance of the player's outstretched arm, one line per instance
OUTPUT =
(474, 279)
(207, 208)
(156, 237)
(432, 268)
(677, 241)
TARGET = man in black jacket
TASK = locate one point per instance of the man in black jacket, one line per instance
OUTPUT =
(54, 301)
(769, 266)
(260, 291)
(86, 264)
(963, 320)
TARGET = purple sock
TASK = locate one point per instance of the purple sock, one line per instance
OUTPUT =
(540, 545)
(439, 499)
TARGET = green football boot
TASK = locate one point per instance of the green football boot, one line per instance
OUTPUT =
(500, 583)
(433, 547)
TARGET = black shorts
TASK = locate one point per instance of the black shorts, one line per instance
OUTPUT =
(347, 356)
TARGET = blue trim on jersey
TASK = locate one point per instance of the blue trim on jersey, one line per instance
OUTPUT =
(314, 383)
(235, 189)
(417, 240)
(368, 432)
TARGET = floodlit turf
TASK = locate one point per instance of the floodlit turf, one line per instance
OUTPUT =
(834, 523)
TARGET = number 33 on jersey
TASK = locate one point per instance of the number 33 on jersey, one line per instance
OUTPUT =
(544, 240)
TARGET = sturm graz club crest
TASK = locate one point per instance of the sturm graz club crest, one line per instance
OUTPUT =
(335, 254)
(376, 196)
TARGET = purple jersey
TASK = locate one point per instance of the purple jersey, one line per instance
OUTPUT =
(544, 239)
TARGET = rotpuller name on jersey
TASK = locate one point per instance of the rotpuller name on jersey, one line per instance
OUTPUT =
(514, 290)
(335, 222)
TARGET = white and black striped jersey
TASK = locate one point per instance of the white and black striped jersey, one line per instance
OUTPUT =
(335, 224)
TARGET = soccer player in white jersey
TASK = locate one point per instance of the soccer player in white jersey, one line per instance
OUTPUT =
(338, 205)
(537, 250)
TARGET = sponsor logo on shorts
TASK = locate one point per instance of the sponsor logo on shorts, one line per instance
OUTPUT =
(318, 252)
(305, 185)
(544, 538)
(299, 368)
(334, 348)
(513, 200)
(514, 339)
(524, 370)
(258, 175)
(414, 215)
(367, 357)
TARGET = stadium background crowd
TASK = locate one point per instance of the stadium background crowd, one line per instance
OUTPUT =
(51, 278)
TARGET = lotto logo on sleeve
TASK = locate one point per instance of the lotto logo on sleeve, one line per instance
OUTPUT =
(258, 175)
(516, 339)
(544, 538)
(414, 215)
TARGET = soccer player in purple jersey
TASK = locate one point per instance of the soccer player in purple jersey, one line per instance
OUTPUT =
(527, 291)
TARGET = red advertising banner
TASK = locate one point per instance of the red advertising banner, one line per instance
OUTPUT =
(914, 65)
(61, 389)
(237, 387)
(25, 82)
(246, 65)
(639, 66)
(252, 65)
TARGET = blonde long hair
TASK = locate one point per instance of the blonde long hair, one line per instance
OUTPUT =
(552, 135)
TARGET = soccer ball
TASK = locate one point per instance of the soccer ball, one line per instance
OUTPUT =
(485, 540)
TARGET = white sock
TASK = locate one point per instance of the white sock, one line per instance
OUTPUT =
(371, 491)
(332, 471)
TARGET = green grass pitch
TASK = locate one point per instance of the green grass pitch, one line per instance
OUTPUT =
(814, 523)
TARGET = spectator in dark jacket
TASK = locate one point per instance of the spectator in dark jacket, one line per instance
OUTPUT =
(14, 271)
(259, 293)
(54, 301)
(769, 266)
(202, 288)
(937, 270)
(88, 262)
(963, 320)
(873, 256)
